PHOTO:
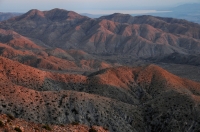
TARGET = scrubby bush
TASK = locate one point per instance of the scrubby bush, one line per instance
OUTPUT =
(10, 116)
(1, 124)
(62, 125)
(75, 123)
(18, 129)
(47, 127)
(92, 130)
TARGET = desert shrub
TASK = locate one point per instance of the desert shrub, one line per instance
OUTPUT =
(1, 124)
(105, 128)
(47, 127)
(75, 123)
(10, 116)
(8, 120)
(88, 119)
(18, 129)
(92, 130)
(74, 111)
(62, 125)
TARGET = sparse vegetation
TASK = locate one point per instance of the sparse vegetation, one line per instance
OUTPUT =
(18, 129)
(10, 116)
(92, 130)
(47, 127)
(74, 111)
(75, 123)
(8, 120)
(116, 112)
(1, 124)
(62, 125)
(105, 128)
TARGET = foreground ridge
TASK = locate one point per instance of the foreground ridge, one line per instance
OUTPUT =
(11, 124)
(118, 99)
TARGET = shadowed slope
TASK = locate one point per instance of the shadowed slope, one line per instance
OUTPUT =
(17, 41)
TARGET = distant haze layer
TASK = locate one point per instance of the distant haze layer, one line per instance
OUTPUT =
(120, 11)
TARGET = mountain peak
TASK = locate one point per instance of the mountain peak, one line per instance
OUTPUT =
(53, 15)
(118, 17)
(30, 15)
(34, 12)
(61, 14)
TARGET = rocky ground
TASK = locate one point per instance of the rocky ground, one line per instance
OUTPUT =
(8, 123)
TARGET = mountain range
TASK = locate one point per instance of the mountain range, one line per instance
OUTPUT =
(188, 12)
(58, 67)
(143, 36)
(6, 16)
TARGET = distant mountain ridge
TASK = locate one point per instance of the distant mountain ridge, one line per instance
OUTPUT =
(52, 15)
(6, 16)
(190, 12)
(140, 36)
(190, 7)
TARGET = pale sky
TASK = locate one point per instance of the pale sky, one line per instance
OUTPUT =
(88, 6)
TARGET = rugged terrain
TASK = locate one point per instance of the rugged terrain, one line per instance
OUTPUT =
(58, 67)
(142, 36)
(17, 47)
(144, 98)
(11, 124)
(109, 40)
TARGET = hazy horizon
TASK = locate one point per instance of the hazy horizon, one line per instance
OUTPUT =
(93, 7)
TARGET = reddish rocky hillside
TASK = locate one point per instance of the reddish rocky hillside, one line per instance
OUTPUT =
(11, 124)
(17, 47)
(144, 98)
